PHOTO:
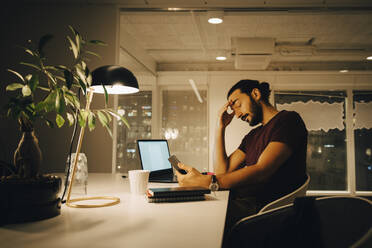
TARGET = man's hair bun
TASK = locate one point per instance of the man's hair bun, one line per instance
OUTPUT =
(265, 90)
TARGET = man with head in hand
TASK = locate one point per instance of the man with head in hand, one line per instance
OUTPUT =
(270, 161)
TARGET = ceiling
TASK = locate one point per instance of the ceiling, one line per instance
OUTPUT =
(281, 35)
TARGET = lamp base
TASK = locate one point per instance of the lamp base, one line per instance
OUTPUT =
(114, 201)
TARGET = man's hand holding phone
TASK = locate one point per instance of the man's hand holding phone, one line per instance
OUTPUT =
(174, 162)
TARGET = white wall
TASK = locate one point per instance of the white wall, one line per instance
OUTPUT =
(220, 82)
(23, 22)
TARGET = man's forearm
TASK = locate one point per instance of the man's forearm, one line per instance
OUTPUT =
(220, 157)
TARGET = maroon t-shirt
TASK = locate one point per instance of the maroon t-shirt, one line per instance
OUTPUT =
(285, 127)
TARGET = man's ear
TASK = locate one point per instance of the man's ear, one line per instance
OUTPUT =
(256, 94)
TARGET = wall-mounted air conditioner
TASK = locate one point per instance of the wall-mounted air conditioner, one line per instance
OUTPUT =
(253, 53)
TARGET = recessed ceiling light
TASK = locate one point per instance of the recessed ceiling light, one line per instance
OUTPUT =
(221, 58)
(369, 58)
(215, 20)
(215, 17)
(344, 71)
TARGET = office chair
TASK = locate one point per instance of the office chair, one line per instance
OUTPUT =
(289, 198)
(308, 222)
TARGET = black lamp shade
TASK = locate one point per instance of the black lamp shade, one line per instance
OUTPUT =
(116, 79)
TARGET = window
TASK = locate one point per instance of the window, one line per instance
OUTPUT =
(184, 124)
(183, 121)
(324, 115)
(362, 119)
(138, 112)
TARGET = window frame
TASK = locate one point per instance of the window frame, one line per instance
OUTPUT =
(350, 141)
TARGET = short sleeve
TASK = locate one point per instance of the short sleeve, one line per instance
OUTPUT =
(243, 144)
(290, 130)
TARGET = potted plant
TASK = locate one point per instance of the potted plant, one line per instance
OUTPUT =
(51, 94)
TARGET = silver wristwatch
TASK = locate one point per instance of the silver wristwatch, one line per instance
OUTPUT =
(214, 184)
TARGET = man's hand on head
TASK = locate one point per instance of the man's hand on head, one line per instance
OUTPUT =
(192, 178)
(225, 117)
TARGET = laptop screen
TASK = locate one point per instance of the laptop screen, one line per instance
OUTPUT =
(154, 154)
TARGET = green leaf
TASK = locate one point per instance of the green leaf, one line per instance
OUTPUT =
(50, 101)
(88, 76)
(29, 52)
(109, 131)
(39, 107)
(31, 65)
(98, 42)
(106, 94)
(72, 99)
(77, 39)
(102, 118)
(34, 82)
(43, 40)
(124, 121)
(73, 47)
(68, 100)
(43, 88)
(94, 54)
(61, 78)
(108, 115)
(89, 79)
(60, 102)
(59, 120)
(83, 86)
(26, 91)
(17, 74)
(81, 75)
(49, 123)
(119, 116)
(14, 86)
(61, 67)
(28, 77)
(70, 119)
(72, 29)
(86, 70)
(69, 78)
(83, 65)
(50, 76)
(50, 67)
(91, 121)
(83, 115)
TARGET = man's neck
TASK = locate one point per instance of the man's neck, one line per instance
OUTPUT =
(268, 112)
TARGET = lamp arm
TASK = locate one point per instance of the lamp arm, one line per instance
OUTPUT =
(80, 142)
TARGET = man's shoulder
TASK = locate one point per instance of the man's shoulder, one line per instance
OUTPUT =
(292, 120)
(289, 115)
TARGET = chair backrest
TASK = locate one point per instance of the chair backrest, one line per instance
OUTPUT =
(325, 222)
(289, 198)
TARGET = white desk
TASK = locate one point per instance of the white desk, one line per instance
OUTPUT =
(132, 223)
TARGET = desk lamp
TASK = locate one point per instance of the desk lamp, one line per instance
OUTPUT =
(116, 80)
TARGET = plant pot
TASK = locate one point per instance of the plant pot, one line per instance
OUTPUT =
(27, 157)
(29, 199)
(26, 195)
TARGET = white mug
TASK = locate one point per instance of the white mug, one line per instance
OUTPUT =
(138, 180)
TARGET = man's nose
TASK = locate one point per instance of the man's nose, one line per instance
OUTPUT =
(237, 113)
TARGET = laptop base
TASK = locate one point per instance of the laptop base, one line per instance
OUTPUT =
(163, 180)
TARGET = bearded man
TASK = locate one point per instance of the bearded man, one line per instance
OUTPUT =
(270, 161)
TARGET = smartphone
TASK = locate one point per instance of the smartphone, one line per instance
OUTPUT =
(174, 161)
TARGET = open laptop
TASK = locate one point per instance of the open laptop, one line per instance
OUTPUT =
(154, 156)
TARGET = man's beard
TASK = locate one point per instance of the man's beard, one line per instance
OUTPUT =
(256, 113)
